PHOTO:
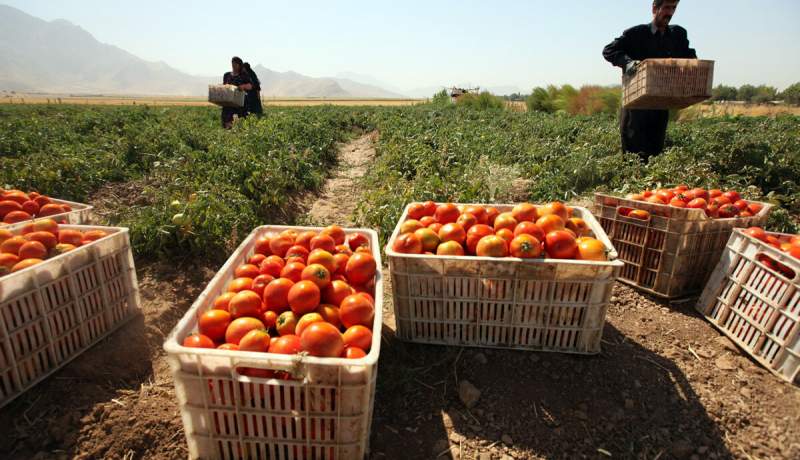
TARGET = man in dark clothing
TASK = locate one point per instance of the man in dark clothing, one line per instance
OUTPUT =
(241, 79)
(643, 131)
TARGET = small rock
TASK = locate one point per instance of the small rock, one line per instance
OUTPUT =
(681, 449)
(440, 446)
(481, 358)
(507, 440)
(506, 457)
(468, 393)
(702, 450)
(725, 363)
(706, 353)
(614, 299)
(745, 392)
(629, 404)
(484, 456)
(726, 342)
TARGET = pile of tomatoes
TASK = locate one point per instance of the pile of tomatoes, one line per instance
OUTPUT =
(299, 292)
(38, 241)
(716, 203)
(527, 231)
(787, 244)
(18, 206)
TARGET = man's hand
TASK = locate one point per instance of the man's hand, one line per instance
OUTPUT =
(630, 68)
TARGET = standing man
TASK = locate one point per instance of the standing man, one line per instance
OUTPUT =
(643, 131)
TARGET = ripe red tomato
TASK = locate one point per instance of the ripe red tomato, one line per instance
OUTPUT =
(293, 271)
(246, 271)
(697, 193)
(505, 220)
(755, 208)
(430, 208)
(330, 313)
(361, 268)
(272, 266)
(732, 196)
(354, 353)
(356, 240)
(525, 246)
(475, 233)
(322, 339)
(245, 303)
(336, 232)
(269, 318)
(728, 211)
(240, 284)
(720, 200)
(452, 232)
(358, 336)
(213, 324)
(317, 274)
(757, 233)
(697, 203)
(259, 283)
(306, 320)
(255, 340)
(336, 292)
(198, 341)
(356, 309)
(450, 248)
(577, 225)
(222, 301)
(550, 222)
(446, 213)
(416, 211)
(297, 252)
(408, 243)
(280, 244)
(491, 215)
(678, 203)
(741, 205)
(467, 220)
(256, 259)
(304, 297)
(478, 211)
(323, 242)
(286, 345)
(276, 294)
(241, 326)
(491, 246)
(525, 212)
(714, 192)
(665, 195)
(560, 244)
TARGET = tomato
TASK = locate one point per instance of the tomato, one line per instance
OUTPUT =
(640, 214)
(317, 274)
(16, 216)
(592, 249)
(246, 271)
(30, 207)
(741, 205)
(7, 262)
(681, 188)
(491, 215)
(241, 326)
(416, 211)
(354, 353)
(323, 340)
(478, 211)
(525, 212)
(269, 318)
(228, 346)
(356, 240)
(288, 344)
(23, 264)
(794, 251)
(12, 245)
(407, 243)
(356, 309)
(304, 239)
(720, 200)
(358, 336)
(555, 208)
(329, 313)
(427, 221)
(94, 235)
(324, 258)
(697, 203)
(732, 196)
(306, 320)
(5, 234)
(222, 301)
(259, 283)
(287, 322)
(755, 208)
(491, 246)
(7, 206)
(428, 238)
(475, 233)
(280, 244)
(340, 261)
(17, 196)
(336, 292)
(255, 340)
(304, 297)
(276, 294)
(665, 195)
(450, 248)
(728, 211)
(452, 232)
(713, 193)
(245, 303)
(343, 249)
(32, 250)
(677, 203)
(336, 232)
(447, 213)
(505, 234)
(240, 284)
(466, 220)
(430, 208)
(262, 245)
(655, 200)
(550, 222)
(361, 268)
(213, 324)
(68, 236)
(525, 246)
(757, 233)
(712, 210)
(577, 225)
(198, 341)
(410, 226)
(505, 220)
(635, 197)
(293, 271)
(256, 259)
(560, 244)
(272, 266)
(436, 226)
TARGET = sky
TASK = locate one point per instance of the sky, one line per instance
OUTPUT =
(412, 44)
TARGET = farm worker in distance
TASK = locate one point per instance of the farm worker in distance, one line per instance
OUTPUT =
(240, 78)
(643, 131)
(252, 101)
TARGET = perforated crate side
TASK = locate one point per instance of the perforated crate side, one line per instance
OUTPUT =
(668, 84)
(756, 306)
(324, 410)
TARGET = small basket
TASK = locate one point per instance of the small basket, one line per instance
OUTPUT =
(323, 411)
(755, 305)
(673, 253)
(226, 96)
(526, 304)
(52, 312)
(668, 84)
(79, 215)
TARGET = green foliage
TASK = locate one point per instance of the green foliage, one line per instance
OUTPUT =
(483, 101)
(441, 98)
(791, 95)
(723, 93)
(588, 100)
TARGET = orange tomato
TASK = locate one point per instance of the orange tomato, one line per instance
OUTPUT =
(214, 323)
(293, 271)
(322, 339)
(410, 226)
(246, 271)
(450, 248)
(361, 268)
(306, 320)
(330, 313)
(592, 249)
(32, 250)
(272, 266)
(356, 309)
(554, 208)
(304, 297)
(280, 244)
(336, 232)
(491, 246)
(446, 213)
(478, 211)
(452, 232)
(505, 234)
(23, 264)
(416, 211)
(358, 336)
(335, 292)
(276, 295)
(525, 246)
(475, 233)
(560, 244)
(550, 222)
(255, 340)
(245, 303)
(525, 212)
(223, 300)
(577, 225)
(317, 274)
(505, 220)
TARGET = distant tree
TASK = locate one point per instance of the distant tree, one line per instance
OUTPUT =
(746, 93)
(441, 98)
(723, 93)
(764, 94)
(541, 100)
(483, 101)
(791, 95)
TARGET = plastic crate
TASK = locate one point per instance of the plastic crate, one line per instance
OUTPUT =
(323, 412)
(526, 304)
(226, 95)
(756, 306)
(79, 215)
(52, 312)
(668, 84)
(673, 253)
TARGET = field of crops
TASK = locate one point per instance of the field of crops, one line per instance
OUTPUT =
(190, 192)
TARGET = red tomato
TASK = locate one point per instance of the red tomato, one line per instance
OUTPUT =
(732, 196)
(741, 205)
(757, 233)
(240, 284)
(355, 240)
(306, 320)
(358, 336)
(491, 215)
(245, 303)
(561, 244)
(525, 212)
(408, 243)
(246, 271)
(356, 309)
(336, 232)
(416, 211)
(262, 245)
(323, 242)
(728, 211)
(317, 274)
(304, 297)
(475, 233)
(452, 232)
(525, 246)
(293, 271)
(491, 246)
(272, 266)
(755, 208)
(255, 340)
(269, 318)
(198, 341)
(697, 203)
(276, 294)
(329, 313)
(550, 222)
(713, 193)
(259, 283)
(354, 353)
(222, 301)
(286, 345)
(322, 339)
(213, 324)
(297, 252)
(361, 268)
(430, 208)
(466, 220)
(336, 292)
(505, 220)
(478, 211)
(256, 259)
(446, 213)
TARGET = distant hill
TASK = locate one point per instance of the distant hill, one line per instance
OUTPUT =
(60, 57)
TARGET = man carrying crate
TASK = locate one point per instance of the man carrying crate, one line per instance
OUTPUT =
(643, 131)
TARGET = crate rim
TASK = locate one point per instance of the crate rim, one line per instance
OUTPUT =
(76, 208)
(188, 320)
(593, 224)
(765, 207)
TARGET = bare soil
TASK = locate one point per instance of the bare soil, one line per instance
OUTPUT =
(666, 385)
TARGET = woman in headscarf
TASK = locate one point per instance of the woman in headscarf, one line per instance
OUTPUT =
(241, 79)
(252, 100)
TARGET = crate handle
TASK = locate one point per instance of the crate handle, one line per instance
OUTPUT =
(267, 371)
(776, 267)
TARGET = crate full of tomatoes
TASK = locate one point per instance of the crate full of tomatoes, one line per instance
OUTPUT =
(277, 358)
(670, 240)
(17, 206)
(754, 298)
(508, 276)
(62, 289)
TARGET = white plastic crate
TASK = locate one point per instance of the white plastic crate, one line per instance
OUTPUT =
(226, 95)
(79, 215)
(528, 304)
(755, 306)
(323, 412)
(52, 312)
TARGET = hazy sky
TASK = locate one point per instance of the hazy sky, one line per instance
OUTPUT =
(410, 44)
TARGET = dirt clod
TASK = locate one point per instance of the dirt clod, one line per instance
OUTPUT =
(468, 393)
